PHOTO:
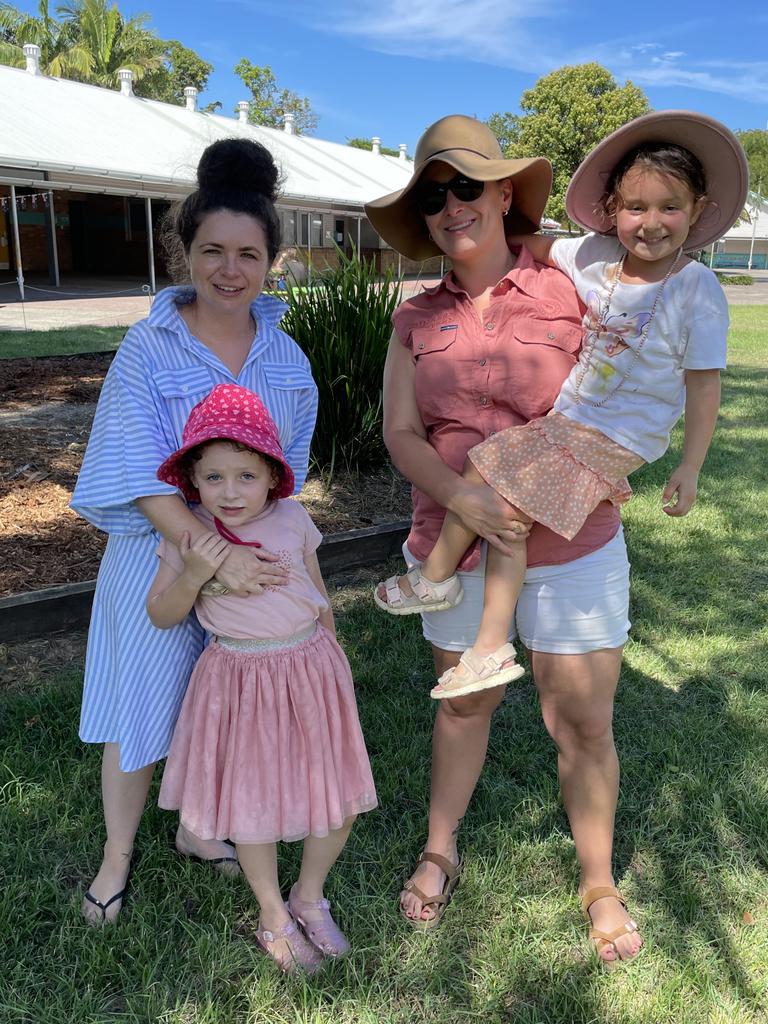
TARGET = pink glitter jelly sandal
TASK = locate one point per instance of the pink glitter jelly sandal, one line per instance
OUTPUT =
(323, 933)
(303, 955)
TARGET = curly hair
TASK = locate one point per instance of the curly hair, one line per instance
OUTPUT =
(233, 174)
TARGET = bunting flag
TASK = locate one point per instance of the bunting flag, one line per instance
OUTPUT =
(21, 201)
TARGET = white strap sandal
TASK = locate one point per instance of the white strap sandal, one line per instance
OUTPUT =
(479, 673)
(426, 597)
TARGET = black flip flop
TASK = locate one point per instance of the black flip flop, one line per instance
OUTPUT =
(103, 907)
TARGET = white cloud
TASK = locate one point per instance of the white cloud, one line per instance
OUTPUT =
(740, 81)
(517, 35)
(501, 32)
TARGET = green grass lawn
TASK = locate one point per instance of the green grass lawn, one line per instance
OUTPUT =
(66, 342)
(692, 825)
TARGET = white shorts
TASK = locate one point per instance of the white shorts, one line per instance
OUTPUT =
(572, 608)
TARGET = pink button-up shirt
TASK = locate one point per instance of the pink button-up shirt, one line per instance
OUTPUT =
(475, 378)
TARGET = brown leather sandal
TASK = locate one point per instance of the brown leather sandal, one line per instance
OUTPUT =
(437, 903)
(601, 939)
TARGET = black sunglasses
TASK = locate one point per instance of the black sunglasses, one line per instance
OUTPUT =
(431, 196)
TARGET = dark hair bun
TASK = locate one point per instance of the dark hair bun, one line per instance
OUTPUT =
(238, 165)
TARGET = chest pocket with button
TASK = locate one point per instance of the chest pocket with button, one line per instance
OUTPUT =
(556, 334)
(285, 384)
(541, 356)
(438, 372)
(180, 390)
(183, 389)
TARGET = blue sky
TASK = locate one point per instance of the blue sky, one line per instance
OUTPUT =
(391, 67)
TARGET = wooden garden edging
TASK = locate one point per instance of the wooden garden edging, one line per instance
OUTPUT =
(68, 607)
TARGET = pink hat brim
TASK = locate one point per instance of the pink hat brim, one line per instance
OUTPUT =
(718, 149)
(170, 472)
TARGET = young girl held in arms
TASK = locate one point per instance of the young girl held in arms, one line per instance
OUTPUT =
(268, 745)
(655, 342)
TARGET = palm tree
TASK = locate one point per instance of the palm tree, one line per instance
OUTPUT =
(62, 55)
(111, 41)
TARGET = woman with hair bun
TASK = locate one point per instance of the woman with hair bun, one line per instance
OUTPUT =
(216, 329)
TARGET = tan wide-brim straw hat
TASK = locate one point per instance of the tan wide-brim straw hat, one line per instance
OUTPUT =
(471, 147)
(718, 149)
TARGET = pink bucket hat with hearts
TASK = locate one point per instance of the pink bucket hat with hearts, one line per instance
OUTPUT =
(228, 413)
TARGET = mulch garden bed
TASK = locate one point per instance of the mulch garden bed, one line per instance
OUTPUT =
(45, 418)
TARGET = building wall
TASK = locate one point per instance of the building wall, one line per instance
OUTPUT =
(733, 254)
(95, 234)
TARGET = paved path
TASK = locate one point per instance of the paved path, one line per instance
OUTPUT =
(76, 304)
(46, 308)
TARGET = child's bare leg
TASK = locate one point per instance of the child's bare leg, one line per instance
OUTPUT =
(259, 864)
(318, 858)
(504, 576)
(455, 537)
(306, 899)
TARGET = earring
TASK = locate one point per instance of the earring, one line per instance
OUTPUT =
(505, 212)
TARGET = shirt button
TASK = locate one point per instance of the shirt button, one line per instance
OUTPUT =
(491, 433)
(421, 344)
(490, 325)
(185, 387)
(483, 362)
(551, 335)
(484, 400)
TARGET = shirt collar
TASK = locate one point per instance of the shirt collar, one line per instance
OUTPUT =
(266, 309)
(523, 275)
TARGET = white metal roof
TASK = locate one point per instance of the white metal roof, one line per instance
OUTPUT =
(96, 139)
(757, 226)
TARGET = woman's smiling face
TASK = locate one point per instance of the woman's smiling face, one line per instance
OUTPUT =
(228, 260)
(464, 229)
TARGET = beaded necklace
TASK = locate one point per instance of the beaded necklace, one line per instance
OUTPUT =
(603, 326)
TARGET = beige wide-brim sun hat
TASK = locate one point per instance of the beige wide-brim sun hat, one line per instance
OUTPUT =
(718, 149)
(471, 147)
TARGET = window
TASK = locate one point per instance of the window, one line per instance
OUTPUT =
(288, 226)
(317, 230)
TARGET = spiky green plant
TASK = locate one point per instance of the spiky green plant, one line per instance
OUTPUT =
(343, 323)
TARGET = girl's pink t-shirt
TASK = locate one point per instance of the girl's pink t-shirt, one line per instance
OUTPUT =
(474, 379)
(285, 529)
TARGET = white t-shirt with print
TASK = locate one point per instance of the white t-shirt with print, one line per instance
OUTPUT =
(688, 332)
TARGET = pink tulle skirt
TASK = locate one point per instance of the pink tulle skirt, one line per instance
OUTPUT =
(268, 745)
(556, 470)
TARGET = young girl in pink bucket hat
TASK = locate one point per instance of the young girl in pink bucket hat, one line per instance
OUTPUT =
(268, 744)
(654, 344)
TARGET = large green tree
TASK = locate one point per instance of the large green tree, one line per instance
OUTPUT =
(62, 55)
(112, 41)
(563, 117)
(93, 40)
(269, 103)
(181, 67)
(755, 143)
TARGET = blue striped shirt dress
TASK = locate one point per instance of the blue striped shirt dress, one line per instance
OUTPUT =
(135, 674)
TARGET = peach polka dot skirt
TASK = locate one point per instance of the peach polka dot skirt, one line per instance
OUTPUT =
(556, 470)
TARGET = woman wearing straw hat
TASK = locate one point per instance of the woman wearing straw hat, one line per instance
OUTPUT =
(488, 348)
